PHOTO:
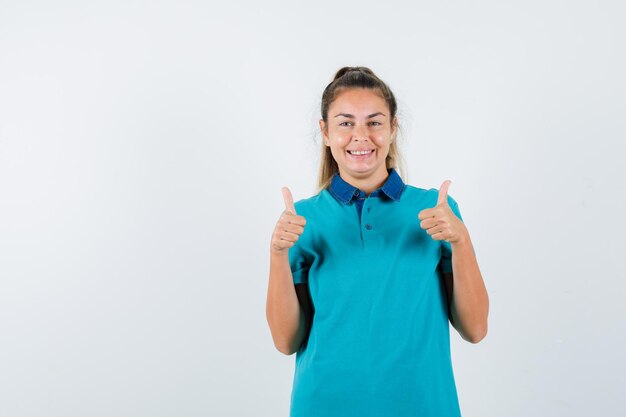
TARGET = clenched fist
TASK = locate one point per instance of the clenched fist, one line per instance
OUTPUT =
(289, 226)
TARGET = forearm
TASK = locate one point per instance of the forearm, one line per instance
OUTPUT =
(470, 302)
(283, 313)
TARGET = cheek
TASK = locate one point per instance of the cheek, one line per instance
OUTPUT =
(338, 140)
(382, 141)
(337, 149)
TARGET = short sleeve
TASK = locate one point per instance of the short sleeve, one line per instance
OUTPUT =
(299, 263)
(445, 264)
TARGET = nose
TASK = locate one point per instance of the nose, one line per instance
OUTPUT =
(360, 132)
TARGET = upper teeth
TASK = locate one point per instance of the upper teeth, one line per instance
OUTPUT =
(359, 152)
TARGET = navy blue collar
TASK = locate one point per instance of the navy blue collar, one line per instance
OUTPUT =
(345, 192)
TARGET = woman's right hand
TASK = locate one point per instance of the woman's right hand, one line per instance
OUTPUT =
(289, 226)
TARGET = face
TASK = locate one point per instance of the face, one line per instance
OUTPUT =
(359, 133)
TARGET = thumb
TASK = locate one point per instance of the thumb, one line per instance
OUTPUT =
(443, 192)
(288, 200)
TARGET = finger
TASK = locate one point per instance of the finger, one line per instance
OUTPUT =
(428, 223)
(443, 192)
(287, 217)
(433, 231)
(288, 236)
(426, 213)
(289, 206)
(282, 244)
(293, 228)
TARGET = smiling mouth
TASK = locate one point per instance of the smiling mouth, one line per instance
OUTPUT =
(358, 153)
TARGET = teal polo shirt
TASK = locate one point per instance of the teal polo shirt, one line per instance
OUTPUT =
(379, 343)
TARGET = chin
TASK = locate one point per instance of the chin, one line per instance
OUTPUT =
(361, 170)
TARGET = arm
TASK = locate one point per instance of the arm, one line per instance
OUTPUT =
(468, 302)
(284, 314)
(467, 296)
(283, 311)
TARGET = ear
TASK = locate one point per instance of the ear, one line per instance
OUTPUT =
(394, 128)
(324, 131)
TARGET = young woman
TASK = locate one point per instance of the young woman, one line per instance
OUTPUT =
(366, 275)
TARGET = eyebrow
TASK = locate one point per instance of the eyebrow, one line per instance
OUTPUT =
(350, 116)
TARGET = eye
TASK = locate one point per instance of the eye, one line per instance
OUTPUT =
(344, 123)
(376, 123)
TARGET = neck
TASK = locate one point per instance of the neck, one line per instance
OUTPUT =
(368, 184)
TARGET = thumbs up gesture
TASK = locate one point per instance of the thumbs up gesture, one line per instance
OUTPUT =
(440, 221)
(289, 226)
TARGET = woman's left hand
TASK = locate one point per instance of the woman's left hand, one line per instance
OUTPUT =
(440, 221)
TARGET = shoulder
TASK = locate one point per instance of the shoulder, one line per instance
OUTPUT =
(314, 209)
(314, 203)
(422, 197)
(323, 214)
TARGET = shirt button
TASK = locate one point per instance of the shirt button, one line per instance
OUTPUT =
(356, 193)
(368, 226)
(369, 209)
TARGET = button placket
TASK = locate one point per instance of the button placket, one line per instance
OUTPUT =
(359, 200)
(368, 226)
(367, 220)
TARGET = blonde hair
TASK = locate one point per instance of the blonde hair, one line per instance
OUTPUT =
(356, 77)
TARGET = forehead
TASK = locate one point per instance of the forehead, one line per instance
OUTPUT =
(358, 100)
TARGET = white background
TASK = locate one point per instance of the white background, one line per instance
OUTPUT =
(143, 146)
